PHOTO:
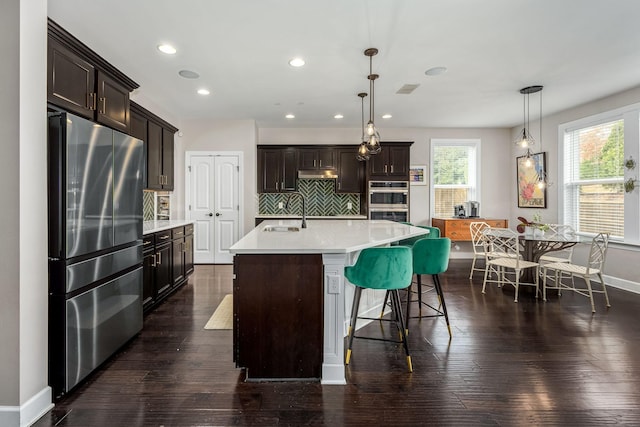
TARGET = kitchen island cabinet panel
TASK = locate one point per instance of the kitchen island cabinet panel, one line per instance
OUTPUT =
(278, 315)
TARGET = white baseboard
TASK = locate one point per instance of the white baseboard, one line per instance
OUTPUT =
(30, 412)
(625, 285)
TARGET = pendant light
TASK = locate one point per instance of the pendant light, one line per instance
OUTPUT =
(363, 151)
(373, 137)
(542, 174)
(525, 140)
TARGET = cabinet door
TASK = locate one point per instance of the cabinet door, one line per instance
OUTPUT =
(70, 80)
(350, 172)
(289, 170)
(163, 268)
(269, 170)
(379, 164)
(154, 156)
(188, 254)
(113, 103)
(148, 279)
(307, 158)
(177, 264)
(167, 159)
(399, 162)
(326, 158)
(138, 129)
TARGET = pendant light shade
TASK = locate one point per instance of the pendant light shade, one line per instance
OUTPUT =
(363, 151)
(372, 134)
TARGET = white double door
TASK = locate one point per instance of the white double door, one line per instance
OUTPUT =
(213, 191)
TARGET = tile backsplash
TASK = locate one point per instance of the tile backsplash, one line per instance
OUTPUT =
(148, 205)
(320, 197)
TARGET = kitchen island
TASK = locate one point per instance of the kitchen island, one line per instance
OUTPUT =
(290, 295)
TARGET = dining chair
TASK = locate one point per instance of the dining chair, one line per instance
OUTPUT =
(389, 268)
(477, 243)
(562, 255)
(594, 266)
(502, 247)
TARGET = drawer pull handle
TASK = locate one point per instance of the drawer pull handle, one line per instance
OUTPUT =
(164, 237)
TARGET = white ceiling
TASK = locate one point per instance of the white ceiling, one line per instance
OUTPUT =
(580, 50)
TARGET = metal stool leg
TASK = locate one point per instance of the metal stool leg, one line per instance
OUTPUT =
(352, 322)
(436, 281)
(395, 299)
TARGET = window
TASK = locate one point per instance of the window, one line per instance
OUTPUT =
(454, 174)
(593, 152)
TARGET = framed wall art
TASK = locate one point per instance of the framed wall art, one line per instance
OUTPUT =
(530, 195)
(418, 175)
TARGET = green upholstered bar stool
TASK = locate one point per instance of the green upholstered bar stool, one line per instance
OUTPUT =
(434, 233)
(388, 268)
(430, 256)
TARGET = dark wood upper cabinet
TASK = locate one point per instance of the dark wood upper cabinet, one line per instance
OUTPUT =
(167, 158)
(113, 103)
(350, 171)
(158, 136)
(277, 169)
(316, 158)
(70, 80)
(392, 163)
(154, 156)
(82, 82)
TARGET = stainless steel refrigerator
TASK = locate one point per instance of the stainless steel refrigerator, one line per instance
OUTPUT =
(95, 245)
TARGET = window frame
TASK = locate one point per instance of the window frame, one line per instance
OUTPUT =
(631, 116)
(475, 193)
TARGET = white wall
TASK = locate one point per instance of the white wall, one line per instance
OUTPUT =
(24, 394)
(621, 262)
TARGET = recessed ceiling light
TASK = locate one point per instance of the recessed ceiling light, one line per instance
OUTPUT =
(167, 48)
(338, 116)
(290, 116)
(436, 71)
(188, 74)
(386, 116)
(203, 91)
(296, 62)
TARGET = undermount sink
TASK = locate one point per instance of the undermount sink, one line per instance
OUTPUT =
(281, 228)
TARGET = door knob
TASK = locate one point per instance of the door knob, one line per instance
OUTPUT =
(218, 214)
(210, 214)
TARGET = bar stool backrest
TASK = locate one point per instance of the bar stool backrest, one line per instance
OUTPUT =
(382, 268)
(431, 256)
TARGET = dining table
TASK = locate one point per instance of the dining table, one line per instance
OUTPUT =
(534, 246)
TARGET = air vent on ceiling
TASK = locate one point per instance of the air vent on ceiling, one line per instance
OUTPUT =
(407, 89)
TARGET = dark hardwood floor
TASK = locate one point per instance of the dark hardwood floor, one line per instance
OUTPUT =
(525, 363)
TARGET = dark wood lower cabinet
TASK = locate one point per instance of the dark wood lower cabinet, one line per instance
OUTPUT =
(278, 315)
(167, 264)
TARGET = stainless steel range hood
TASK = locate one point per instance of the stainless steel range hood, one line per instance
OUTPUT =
(317, 174)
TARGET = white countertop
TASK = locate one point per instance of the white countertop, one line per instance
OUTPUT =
(312, 216)
(324, 236)
(149, 227)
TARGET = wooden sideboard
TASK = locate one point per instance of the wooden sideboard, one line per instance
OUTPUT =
(457, 229)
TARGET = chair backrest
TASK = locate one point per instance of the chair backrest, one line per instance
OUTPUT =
(501, 242)
(476, 229)
(431, 256)
(560, 231)
(382, 268)
(434, 233)
(598, 252)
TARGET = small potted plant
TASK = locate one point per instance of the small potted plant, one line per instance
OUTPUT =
(532, 228)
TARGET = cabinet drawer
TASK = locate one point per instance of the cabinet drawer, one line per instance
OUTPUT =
(188, 229)
(148, 242)
(496, 223)
(177, 232)
(163, 237)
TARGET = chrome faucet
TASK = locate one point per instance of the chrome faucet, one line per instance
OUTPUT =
(304, 210)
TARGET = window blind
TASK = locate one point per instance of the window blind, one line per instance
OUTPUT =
(594, 178)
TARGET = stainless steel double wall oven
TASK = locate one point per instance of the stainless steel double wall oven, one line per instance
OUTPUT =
(389, 200)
